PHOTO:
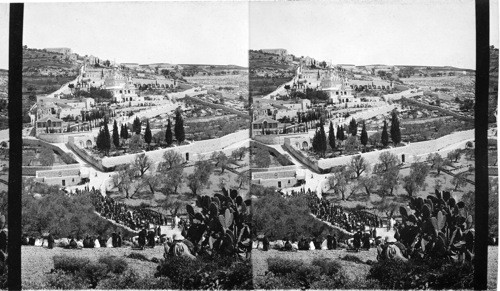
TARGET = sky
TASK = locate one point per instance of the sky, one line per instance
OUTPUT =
(4, 36)
(370, 32)
(147, 32)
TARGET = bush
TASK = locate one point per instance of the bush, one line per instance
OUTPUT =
(280, 266)
(131, 280)
(69, 264)
(137, 256)
(328, 266)
(352, 258)
(93, 273)
(62, 280)
(181, 271)
(114, 264)
(419, 274)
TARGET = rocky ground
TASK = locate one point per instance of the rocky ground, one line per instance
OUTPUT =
(36, 262)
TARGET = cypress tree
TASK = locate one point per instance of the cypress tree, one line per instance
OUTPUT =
(322, 140)
(147, 134)
(136, 126)
(395, 130)
(315, 141)
(122, 131)
(364, 135)
(342, 133)
(339, 136)
(106, 141)
(331, 136)
(353, 127)
(168, 133)
(385, 135)
(179, 127)
(116, 138)
(98, 142)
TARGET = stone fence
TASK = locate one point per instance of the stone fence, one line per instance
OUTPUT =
(198, 150)
(56, 149)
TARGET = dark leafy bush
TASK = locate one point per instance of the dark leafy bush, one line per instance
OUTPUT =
(93, 273)
(322, 273)
(419, 274)
(206, 273)
(137, 256)
(351, 258)
(63, 280)
(114, 264)
(280, 266)
(131, 280)
(328, 266)
(69, 264)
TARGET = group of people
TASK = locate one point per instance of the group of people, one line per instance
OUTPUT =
(352, 221)
(71, 242)
(135, 219)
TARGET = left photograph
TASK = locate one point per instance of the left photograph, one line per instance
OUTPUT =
(135, 146)
(4, 140)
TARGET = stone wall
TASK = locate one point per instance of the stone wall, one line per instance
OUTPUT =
(445, 111)
(87, 157)
(58, 137)
(41, 143)
(300, 156)
(199, 150)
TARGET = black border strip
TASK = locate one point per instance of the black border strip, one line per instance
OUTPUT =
(481, 151)
(16, 16)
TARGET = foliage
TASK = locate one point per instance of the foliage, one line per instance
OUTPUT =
(147, 134)
(116, 138)
(179, 127)
(319, 141)
(136, 143)
(206, 273)
(353, 127)
(47, 156)
(422, 274)
(137, 126)
(364, 136)
(262, 158)
(331, 136)
(439, 228)
(131, 280)
(137, 256)
(395, 130)
(384, 139)
(352, 144)
(280, 217)
(351, 258)
(358, 165)
(200, 177)
(114, 264)
(141, 164)
(293, 274)
(168, 133)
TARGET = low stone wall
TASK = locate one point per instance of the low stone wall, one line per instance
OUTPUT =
(31, 170)
(58, 137)
(301, 156)
(87, 157)
(196, 151)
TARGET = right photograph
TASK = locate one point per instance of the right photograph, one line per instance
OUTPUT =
(362, 145)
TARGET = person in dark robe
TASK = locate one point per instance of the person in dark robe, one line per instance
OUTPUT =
(151, 239)
(265, 244)
(357, 240)
(86, 242)
(92, 242)
(288, 246)
(303, 245)
(50, 240)
(119, 239)
(142, 238)
(317, 242)
(114, 239)
(72, 243)
(366, 241)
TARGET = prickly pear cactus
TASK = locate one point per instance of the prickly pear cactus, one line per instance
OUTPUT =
(222, 224)
(438, 226)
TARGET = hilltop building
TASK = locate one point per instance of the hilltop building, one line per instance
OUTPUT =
(279, 52)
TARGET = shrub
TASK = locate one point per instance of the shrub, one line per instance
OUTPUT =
(351, 258)
(131, 280)
(62, 280)
(93, 273)
(69, 264)
(181, 271)
(137, 256)
(239, 276)
(114, 264)
(419, 274)
(280, 266)
(328, 266)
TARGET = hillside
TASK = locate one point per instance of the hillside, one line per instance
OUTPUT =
(268, 71)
